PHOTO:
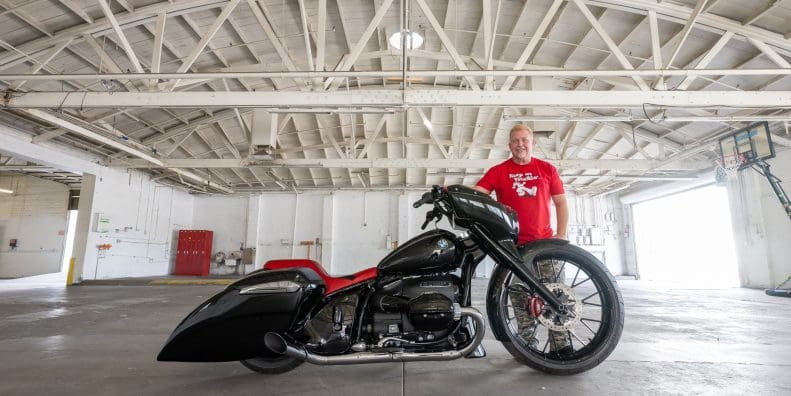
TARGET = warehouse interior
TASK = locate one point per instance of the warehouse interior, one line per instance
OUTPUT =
(306, 129)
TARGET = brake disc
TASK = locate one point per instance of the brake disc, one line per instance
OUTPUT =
(562, 322)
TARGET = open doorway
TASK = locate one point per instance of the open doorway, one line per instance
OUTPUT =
(687, 238)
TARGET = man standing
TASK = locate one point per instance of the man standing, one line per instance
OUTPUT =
(527, 185)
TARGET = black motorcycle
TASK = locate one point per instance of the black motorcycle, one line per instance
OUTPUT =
(553, 305)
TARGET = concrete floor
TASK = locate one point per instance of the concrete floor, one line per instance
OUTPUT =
(89, 340)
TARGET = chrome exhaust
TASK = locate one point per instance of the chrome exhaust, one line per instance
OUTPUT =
(276, 343)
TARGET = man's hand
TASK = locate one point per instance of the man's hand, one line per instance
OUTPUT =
(560, 236)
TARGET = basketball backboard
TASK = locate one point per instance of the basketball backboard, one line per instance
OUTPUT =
(747, 146)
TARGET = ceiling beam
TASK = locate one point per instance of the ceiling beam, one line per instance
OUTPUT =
(74, 128)
(71, 5)
(432, 20)
(656, 48)
(130, 53)
(706, 59)
(355, 52)
(396, 98)
(260, 14)
(610, 43)
(770, 53)
(531, 45)
(37, 66)
(685, 31)
(23, 15)
(408, 163)
(430, 127)
(159, 37)
(204, 41)
(303, 14)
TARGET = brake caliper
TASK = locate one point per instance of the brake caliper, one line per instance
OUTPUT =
(535, 306)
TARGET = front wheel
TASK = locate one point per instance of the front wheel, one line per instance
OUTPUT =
(560, 344)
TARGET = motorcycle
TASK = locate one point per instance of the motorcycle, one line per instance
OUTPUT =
(553, 305)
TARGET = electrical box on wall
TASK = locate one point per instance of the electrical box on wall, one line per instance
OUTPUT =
(101, 223)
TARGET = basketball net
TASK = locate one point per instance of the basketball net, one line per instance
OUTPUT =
(726, 168)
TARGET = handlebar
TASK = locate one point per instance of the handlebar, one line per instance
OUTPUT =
(431, 215)
(429, 196)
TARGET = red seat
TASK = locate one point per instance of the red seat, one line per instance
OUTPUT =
(333, 283)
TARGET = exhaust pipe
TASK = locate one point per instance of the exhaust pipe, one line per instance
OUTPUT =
(277, 344)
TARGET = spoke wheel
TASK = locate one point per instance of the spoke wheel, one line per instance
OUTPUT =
(566, 343)
(271, 364)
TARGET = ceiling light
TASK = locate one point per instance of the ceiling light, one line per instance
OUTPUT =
(413, 39)
(3, 190)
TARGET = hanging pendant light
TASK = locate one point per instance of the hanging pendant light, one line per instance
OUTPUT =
(413, 39)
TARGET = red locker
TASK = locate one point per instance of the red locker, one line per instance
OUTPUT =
(194, 252)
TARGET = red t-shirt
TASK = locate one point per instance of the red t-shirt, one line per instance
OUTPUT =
(528, 189)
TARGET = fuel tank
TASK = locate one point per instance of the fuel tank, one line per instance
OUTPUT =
(231, 325)
(430, 252)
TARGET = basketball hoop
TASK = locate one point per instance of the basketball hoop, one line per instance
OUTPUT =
(726, 168)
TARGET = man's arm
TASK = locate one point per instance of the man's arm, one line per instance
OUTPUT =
(562, 215)
(481, 189)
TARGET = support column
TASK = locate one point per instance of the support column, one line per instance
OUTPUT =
(83, 227)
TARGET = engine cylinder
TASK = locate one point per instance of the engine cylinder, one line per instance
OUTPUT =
(431, 312)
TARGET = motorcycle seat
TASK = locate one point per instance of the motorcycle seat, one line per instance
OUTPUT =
(333, 283)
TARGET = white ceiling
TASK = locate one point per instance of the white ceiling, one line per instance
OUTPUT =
(62, 59)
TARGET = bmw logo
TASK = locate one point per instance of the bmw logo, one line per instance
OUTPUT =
(443, 243)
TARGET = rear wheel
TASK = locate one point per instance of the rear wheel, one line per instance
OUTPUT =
(272, 364)
(558, 344)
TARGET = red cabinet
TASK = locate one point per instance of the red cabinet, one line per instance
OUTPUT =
(194, 252)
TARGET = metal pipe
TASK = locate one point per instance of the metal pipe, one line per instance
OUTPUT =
(399, 74)
(277, 344)
(657, 119)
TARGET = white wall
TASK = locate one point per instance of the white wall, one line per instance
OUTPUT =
(145, 218)
(36, 216)
(226, 217)
(760, 225)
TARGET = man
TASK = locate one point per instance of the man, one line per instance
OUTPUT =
(527, 185)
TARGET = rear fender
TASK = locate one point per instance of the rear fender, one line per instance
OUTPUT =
(231, 325)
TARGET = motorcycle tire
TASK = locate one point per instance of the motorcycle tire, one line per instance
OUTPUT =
(610, 324)
(272, 364)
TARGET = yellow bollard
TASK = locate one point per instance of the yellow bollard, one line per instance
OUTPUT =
(70, 275)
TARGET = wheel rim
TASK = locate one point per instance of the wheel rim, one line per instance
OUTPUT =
(585, 294)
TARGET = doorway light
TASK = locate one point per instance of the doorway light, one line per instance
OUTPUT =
(3, 190)
(413, 39)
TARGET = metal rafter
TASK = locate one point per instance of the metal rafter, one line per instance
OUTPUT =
(76, 9)
(204, 41)
(130, 53)
(394, 99)
(40, 64)
(706, 59)
(261, 14)
(533, 43)
(685, 31)
(355, 52)
(432, 20)
(610, 43)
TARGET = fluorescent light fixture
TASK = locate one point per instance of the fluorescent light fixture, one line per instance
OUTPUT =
(3, 190)
(413, 39)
